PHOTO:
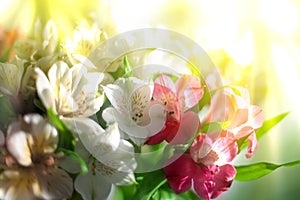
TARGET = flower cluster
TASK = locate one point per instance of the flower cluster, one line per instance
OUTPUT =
(77, 128)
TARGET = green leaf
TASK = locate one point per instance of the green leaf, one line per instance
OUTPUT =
(166, 193)
(127, 68)
(267, 125)
(4, 57)
(7, 113)
(66, 140)
(206, 98)
(150, 183)
(257, 170)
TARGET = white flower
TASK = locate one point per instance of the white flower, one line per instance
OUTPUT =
(31, 172)
(109, 158)
(70, 92)
(85, 38)
(132, 108)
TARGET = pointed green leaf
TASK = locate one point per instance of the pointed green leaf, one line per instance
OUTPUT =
(267, 125)
(257, 170)
(127, 68)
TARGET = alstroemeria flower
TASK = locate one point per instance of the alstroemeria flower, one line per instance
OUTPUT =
(70, 92)
(109, 158)
(206, 169)
(31, 171)
(132, 108)
(85, 38)
(176, 99)
(244, 118)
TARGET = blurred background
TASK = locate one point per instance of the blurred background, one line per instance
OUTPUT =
(254, 43)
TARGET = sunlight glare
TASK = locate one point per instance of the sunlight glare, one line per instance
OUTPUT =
(281, 16)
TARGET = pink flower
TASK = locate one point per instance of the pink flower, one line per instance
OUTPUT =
(177, 99)
(206, 168)
(235, 108)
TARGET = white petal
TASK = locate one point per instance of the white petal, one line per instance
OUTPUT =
(118, 167)
(17, 144)
(97, 141)
(84, 60)
(109, 115)
(44, 134)
(69, 163)
(92, 186)
(45, 90)
(116, 96)
(15, 185)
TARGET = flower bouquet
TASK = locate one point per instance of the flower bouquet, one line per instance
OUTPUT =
(142, 115)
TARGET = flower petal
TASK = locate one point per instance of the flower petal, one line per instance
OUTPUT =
(119, 165)
(54, 183)
(179, 173)
(97, 141)
(45, 90)
(17, 144)
(253, 144)
(92, 186)
(222, 178)
(15, 185)
(189, 91)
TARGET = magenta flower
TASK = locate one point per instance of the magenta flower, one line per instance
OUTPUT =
(206, 168)
(177, 99)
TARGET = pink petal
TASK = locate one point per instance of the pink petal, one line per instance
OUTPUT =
(253, 144)
(167, 133)
(179, 173)
(189, 91)
(187, 130)
(203, 183)
(167, 82)
(255, 119)
(222, 178)
(210, 182)
(226, 148)
(201, 147)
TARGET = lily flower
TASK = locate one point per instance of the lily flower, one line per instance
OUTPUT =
(132, 108)
(30, 170)
(70, 92)
(176, 100)
(206, 168)
(235, 108)
(110, 159)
